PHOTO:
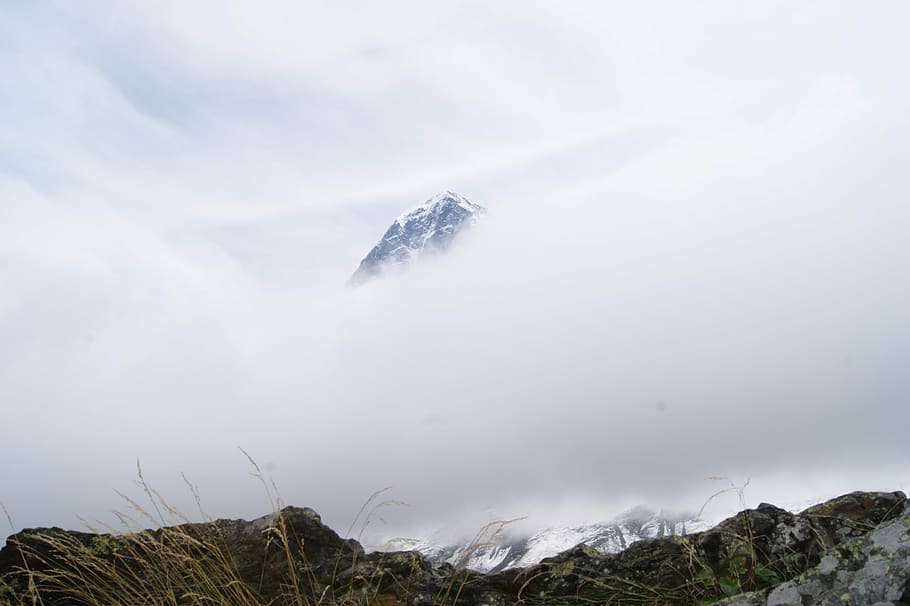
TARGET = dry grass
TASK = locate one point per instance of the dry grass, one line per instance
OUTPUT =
(182, 563)
(185, 563)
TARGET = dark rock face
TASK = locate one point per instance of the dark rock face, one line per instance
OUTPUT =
(260, 549)
(429, 228)
(854, 549)
(291, 548)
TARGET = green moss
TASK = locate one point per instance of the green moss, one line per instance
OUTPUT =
(105, 545)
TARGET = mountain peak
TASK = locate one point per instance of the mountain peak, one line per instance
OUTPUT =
(437, 203)
(427, 228)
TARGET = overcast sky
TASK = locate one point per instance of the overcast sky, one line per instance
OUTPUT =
(695, 261)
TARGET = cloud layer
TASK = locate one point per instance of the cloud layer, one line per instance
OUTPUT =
(693, 263)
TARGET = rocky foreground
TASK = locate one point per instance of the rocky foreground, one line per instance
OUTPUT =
(854, 549)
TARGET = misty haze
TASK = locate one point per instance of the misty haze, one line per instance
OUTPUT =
(557, 263)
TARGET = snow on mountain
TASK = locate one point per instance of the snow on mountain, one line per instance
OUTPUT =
(428, 228)
(502, 552)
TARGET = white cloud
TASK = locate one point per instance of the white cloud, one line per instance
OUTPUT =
(692, 265)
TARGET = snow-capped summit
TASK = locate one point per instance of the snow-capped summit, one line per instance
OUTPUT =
(430, 227)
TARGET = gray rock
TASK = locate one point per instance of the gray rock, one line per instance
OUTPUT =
(873, 568)
(752, 598)
(785, 594)
(870, 569)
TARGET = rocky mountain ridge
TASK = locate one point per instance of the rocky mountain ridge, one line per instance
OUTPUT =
(502, 552)
(854, 549)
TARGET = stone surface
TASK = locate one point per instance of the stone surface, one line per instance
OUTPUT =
(785, 594)
(750, 598)
(869, 562)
